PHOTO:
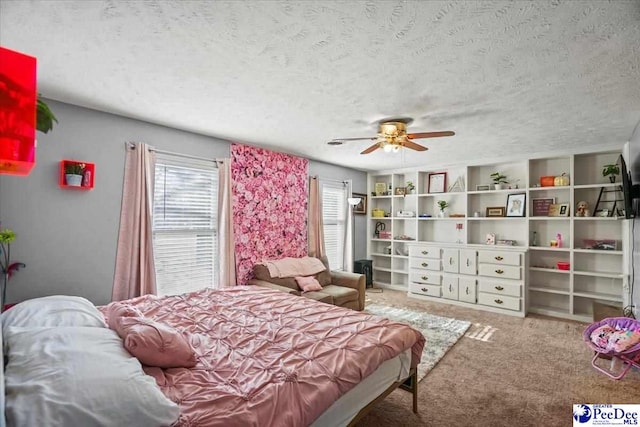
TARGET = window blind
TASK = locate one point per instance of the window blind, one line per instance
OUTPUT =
(334, 217)
(185, 213)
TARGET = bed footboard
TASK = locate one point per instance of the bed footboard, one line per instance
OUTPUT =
(409, 384)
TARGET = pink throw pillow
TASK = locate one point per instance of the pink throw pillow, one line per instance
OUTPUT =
(308, 283)
(152, 343)
(157, 344)
(116, 310)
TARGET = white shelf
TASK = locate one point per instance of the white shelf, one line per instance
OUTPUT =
(549, 290)
(597, 251)
(554, 292)
(550, 270)
(548, 249)
(599, 274)
(604, 184)
(599, 296)
(597, 218)
(549, 218)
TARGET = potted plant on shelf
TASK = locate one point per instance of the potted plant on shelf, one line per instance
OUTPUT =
(611, 171)
(74, 173)
(7, 268)
(411, 189)
(442, 204)
(499, 180)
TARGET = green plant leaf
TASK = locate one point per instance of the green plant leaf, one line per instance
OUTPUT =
(44, 116)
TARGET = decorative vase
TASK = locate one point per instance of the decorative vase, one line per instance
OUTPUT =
(498, 186)
(612, 178)
(442, 213)
(73, 179)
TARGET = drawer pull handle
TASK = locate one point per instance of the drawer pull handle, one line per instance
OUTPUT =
(425, 278)
(499, 271)
(450, 289)
(498, 258)
(499, 288)
(425, 290)
(450, 260)
(498, 301)
(424, 264)
(467, 262)
(466, 290)
(425, 252)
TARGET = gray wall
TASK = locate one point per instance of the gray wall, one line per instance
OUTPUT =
(67, 238)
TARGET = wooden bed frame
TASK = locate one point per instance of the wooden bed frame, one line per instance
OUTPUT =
(409, 384)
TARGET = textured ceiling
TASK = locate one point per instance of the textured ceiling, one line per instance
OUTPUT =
(508, 77)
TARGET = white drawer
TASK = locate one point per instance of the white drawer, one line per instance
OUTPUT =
(429, 290)
(500, 288)
(499, 257)
(424, 251)
(450, 287)
(425, 264)
(502, 271)
(424, 277)
(499, 301)
(467, 290)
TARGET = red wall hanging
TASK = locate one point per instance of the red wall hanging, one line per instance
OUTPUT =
(17, 112)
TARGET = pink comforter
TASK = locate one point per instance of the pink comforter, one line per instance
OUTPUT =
(266, 358)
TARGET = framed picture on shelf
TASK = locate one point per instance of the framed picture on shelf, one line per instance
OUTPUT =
(381, 188)
(564, 209)
(360, 208)
(400, 191)
(495, 211)
(437, 182)
(554, 210)
(486, 187)
(540, 207)
(516, 204)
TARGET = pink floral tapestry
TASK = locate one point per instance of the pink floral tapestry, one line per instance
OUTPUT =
(269, 206)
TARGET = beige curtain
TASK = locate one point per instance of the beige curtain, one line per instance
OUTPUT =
(315, 230)
(135, 269)
(226, 241)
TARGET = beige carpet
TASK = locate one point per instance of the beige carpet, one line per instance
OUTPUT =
(506, 371)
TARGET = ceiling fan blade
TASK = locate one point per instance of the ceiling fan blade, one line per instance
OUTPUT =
(374, 147)
(371, 138)
(414, 146)
(419, 135)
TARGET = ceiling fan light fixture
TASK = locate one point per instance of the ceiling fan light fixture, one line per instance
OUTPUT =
(387, 147)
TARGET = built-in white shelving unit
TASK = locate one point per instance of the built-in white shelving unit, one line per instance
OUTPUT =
(593, 276)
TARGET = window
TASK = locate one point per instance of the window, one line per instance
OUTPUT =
(334, 218)
(185, 224)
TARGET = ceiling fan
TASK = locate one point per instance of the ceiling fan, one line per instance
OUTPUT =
(392, 135)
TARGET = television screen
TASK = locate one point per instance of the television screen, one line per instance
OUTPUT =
(627, 189)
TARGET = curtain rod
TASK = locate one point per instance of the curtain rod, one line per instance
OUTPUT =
(342, 181)
(173, 153)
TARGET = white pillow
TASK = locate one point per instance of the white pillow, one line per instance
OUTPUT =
(77, 376)
(55, 310)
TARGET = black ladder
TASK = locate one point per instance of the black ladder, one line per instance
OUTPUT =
(610, 202)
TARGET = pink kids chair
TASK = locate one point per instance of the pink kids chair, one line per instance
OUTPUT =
(617, 337)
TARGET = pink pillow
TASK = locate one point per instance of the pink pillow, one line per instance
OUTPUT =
(152, 343)
(157, 344)
(308, 283)
(116, 310)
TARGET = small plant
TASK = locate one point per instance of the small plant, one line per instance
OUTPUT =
(498, 178)
(410, 186)
(443, 204)
(611, 170)
(44, 116)
(74, 168)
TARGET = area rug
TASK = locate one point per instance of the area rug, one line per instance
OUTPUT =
(441, 333)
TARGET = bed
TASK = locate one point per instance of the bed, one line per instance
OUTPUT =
(257, 357)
